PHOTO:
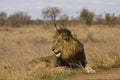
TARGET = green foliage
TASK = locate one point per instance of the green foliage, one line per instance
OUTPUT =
(64, 20)
(52, 16)
(110, 19)
(17, 19)
(3, 17)
(86, 16)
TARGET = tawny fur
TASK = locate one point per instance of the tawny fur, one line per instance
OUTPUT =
(68, 50)
(71, 49)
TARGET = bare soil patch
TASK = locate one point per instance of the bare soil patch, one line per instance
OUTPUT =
(106, 75)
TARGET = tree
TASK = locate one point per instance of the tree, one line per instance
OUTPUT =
(17, 19)
(3, 17)
(51, 14)
(110, 19)
(86, 17)
(64, 19)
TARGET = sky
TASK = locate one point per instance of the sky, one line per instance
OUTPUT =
(69, 7)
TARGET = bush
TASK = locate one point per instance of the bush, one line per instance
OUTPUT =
(86, 17)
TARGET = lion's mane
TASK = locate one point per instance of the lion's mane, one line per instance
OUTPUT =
(72, 52)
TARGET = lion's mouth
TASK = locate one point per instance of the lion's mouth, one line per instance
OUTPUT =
(58, 54)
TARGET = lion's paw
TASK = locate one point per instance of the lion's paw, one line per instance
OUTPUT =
(89, 69)
(92, 71)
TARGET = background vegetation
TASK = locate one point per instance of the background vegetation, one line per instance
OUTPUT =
(54, 16)
(23, 39)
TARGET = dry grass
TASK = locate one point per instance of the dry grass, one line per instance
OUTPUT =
(20, 45)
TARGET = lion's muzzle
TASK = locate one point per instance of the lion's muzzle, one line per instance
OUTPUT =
(57, 53)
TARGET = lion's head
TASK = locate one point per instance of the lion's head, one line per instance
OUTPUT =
(60, 38)
(65, 45)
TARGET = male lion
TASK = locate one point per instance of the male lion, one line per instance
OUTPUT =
(69, 51)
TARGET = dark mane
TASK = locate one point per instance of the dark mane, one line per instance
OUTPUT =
(64, 31)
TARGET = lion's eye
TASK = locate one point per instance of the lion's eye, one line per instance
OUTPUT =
(58, 41)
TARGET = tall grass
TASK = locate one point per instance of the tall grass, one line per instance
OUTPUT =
(20, 45)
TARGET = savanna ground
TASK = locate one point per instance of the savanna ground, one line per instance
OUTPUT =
(18, 46)
(104, 75)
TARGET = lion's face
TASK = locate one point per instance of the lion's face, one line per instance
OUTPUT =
(60, 39)
(57, 47)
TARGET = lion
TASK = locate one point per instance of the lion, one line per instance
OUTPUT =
(70, 51)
